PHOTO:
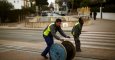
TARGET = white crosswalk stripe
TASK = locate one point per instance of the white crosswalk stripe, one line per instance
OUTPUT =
(102, 40)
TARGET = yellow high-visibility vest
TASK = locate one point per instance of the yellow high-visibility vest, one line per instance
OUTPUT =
(48, 30)
(74, 26)
(77, 23)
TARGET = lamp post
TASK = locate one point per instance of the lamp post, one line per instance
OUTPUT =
(101, 8)
(72, 5)
(37, 11)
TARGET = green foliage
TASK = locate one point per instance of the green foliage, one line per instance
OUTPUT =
(85, 3)
(109, 8)
(59, 2)
(41, 2)
(14, 15)
(31, 2)
(8, 14)
(44, 8)
(5, 7)
(74, 4)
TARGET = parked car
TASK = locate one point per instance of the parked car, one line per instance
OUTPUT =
(44, 14)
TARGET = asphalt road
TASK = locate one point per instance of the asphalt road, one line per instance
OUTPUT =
(105, 40)
(101, 44)
(23, 35)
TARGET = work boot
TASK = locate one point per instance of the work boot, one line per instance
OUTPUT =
(44, 56)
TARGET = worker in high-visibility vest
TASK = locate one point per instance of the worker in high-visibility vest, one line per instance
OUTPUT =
(76, 31)
(50, 32)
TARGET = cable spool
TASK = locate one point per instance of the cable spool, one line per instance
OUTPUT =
(58, 52)
(63, 51)
(70, 49)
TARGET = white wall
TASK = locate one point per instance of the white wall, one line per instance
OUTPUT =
(109, 16)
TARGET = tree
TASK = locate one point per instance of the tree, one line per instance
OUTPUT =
(31, 2)
(110, 1)
(46, 8)
(5, 7)
(74, 4)
(85, 3)
(69, 4)
(51, 6)
(59, 2)
(41, 3)
(32, 8)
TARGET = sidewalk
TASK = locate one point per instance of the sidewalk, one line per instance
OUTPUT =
(101, 26)
(96, 26)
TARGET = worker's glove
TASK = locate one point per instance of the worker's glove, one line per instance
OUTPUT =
(68, 37)
(62, 40)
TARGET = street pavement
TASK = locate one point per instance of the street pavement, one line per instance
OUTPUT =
(97, 40)
(89, 39)
(99, 25)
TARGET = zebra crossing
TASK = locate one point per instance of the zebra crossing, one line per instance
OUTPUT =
(101, 40)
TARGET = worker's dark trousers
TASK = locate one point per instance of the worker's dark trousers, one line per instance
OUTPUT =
(49, 41)
(77, 43)
(94, 17)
